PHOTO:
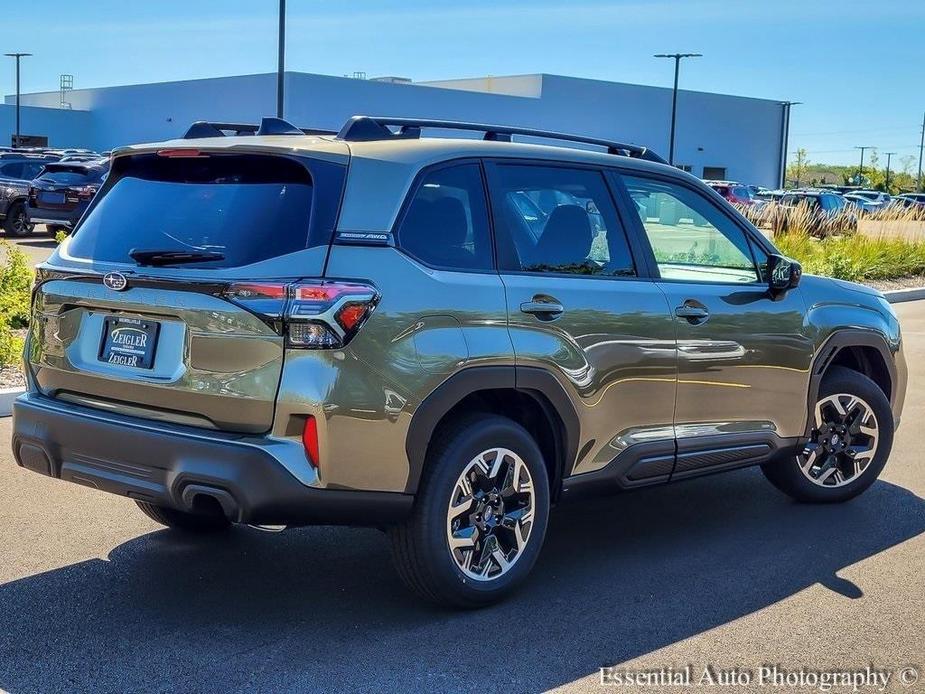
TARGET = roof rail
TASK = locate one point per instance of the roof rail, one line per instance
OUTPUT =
(268, 126)
(372, 128)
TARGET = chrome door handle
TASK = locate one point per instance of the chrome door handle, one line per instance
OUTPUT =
(542, 309)
(692, 312)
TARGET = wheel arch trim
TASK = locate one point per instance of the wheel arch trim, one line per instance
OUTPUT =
(530, 380)
(835, 343)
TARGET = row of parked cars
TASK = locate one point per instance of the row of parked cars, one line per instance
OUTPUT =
(47, 186)
(824, 200)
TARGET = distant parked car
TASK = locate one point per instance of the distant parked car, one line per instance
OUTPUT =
(736, 193)
(824, 206)
(20, 169)
(910, 200)
(80, 157)
(33, 156)
(61, 193)
(876, 198)
(770, 195)
(14, 195)
(864, 203)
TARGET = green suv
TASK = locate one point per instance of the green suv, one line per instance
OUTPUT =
(441, 337)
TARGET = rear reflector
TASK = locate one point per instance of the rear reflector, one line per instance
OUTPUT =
(321, 314)
(310, 440)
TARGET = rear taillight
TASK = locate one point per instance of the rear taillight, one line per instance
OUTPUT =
(86, 191)
(324, 314)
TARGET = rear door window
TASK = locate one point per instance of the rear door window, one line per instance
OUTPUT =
(446, 224)
(247, 208)
(553, 219)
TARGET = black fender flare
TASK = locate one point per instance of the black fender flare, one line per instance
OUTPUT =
(837, 341)
(533, 381)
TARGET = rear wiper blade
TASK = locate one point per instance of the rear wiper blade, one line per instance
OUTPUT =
(169, 257)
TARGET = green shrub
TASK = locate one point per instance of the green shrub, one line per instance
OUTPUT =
(15, 287)
(10, 346)
(15, 290)
(855, 257)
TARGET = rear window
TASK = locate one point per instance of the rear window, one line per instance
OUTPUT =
(69, 176)
(248, 208)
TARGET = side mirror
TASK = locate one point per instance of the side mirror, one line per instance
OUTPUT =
(783, 273)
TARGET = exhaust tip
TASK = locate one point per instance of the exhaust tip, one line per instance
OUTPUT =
(197, 498)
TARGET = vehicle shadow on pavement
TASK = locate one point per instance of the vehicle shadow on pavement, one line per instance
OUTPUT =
(322, 608)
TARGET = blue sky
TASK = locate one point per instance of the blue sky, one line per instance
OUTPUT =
(858, 66)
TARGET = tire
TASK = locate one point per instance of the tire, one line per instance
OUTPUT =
(181, 520)
(844, 481)
(421, 545)
(16, 222)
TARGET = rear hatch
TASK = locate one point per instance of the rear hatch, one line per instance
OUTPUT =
(145, 309)
(63, 187)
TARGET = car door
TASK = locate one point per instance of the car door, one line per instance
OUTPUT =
(581, 308)
(743, 354)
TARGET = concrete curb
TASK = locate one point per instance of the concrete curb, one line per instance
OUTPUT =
(7, 396)
(897, 296)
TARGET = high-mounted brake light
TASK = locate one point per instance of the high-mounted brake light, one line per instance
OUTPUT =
(182, 153)
(321, 314)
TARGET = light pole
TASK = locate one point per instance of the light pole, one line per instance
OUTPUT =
(889, 155)
(861, 169)
(281, 66)
(674, 95)
(18, 56)
(921, 147)
(785, 139)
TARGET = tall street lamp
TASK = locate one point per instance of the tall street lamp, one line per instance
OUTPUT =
(281, 65)
(785, 139)
(674, 95)
(18, 56)
(889, 155)
(918, 185)
(861, 169)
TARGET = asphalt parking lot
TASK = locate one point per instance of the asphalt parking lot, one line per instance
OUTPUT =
(721, 571)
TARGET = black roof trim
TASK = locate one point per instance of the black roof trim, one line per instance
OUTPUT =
(373, 128)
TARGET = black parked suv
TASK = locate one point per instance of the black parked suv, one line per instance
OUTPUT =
(15, 177)
(63, 191)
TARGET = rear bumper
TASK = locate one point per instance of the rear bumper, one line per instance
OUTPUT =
(65, 218)
(172, 466)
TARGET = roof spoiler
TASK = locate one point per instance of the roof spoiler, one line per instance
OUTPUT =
(370, 129)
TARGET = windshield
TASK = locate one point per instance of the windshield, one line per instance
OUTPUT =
(244, 208)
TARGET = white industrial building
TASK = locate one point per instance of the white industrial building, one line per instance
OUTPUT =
(718, 136)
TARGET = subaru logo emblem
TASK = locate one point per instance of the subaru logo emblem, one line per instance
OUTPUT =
(115, 281)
